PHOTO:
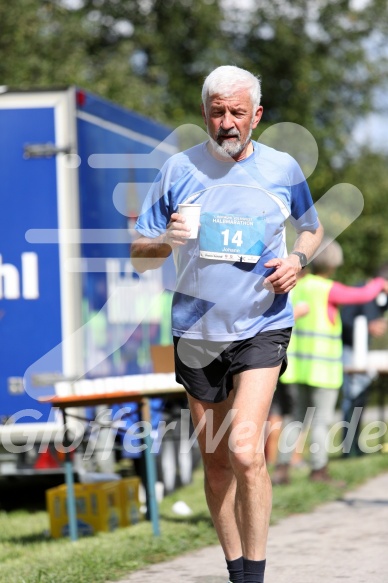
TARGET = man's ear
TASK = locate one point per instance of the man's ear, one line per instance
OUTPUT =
(203, 114)
(257, 116)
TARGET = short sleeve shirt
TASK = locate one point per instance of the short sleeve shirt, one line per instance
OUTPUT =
(219, 291)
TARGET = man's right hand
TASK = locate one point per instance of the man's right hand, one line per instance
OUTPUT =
(147, 253)
(177, 232)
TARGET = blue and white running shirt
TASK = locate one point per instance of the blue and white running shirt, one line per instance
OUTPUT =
(219, 291)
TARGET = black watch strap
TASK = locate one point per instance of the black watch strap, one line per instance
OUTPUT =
(302, 258)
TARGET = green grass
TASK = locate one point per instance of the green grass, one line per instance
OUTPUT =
(302, 495)
(28, 555)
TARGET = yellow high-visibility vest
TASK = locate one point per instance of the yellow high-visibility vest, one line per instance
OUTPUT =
(315, 349)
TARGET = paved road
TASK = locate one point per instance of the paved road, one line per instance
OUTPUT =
(342, 541)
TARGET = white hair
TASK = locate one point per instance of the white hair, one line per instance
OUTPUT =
(228, 79)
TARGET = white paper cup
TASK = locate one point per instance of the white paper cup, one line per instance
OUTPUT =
(191, 212)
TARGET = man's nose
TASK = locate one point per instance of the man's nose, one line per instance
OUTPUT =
(227, 121)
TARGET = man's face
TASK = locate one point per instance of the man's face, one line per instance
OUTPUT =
(230, 121)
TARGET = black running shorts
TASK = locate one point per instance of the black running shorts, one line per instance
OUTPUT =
(206, 368)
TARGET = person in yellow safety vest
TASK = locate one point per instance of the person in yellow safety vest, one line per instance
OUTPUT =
(282, 403)
(315, 358)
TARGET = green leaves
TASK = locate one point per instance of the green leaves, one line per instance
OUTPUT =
(321, 64)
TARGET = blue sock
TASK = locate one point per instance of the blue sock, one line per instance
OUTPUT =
(236, 570)
(253, 571)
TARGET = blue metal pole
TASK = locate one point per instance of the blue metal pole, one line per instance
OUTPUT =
(70, 501)
(152, 503)
(70, 496)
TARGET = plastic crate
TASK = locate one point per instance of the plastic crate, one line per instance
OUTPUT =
(97, 508)
(104, 501)
(129, 501)
(56, 503)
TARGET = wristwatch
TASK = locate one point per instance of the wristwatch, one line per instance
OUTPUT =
(302, 258)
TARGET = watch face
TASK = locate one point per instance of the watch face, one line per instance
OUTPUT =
(302, 258)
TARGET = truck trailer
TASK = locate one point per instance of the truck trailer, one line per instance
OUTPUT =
(74, 172)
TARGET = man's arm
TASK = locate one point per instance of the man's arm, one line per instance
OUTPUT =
(147, 253)
(284, 277)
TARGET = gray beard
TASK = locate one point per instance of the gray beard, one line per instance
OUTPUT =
(228, 149)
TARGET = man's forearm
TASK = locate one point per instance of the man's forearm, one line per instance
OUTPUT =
(308, 242)
(149, 253)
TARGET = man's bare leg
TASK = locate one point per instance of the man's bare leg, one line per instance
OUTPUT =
(253, 394)
(237, 486)
(220, 481)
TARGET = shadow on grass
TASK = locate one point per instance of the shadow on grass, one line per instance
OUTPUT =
(39, 537)
(27, 493)
(194, 519)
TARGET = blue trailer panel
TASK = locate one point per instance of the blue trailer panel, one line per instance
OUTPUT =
(70, 307)
(30, 278)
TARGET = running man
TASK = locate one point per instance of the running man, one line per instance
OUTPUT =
(231, 316)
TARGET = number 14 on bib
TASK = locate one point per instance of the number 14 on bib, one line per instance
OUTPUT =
(231, 237)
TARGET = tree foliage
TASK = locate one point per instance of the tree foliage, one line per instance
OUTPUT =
(318, 70)
(315, 58)
(321, 63)
(365, 242)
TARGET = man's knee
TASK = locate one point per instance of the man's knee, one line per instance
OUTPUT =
(249, 462)
(218, 474)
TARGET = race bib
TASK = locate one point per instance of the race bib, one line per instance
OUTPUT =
(231, 237)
